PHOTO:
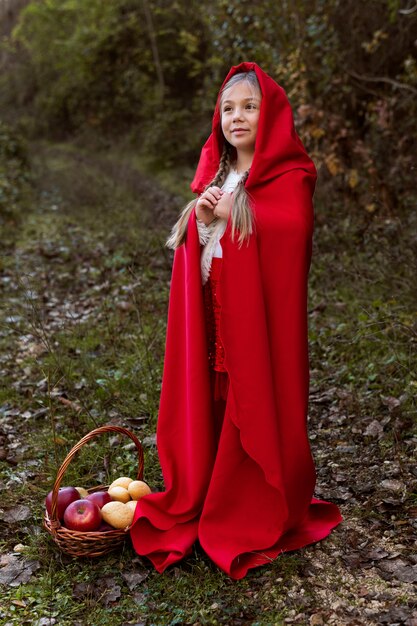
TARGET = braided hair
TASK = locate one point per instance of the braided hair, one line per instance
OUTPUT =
(241, 212)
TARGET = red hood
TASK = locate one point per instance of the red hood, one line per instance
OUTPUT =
(278, 148)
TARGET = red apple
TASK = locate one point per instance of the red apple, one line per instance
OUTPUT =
(104, 527)
(82, 515)
(66, 495)
(99, 497)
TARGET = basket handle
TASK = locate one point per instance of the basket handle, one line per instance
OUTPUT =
(54, 521)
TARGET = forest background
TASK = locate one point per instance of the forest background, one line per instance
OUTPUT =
(104, 107)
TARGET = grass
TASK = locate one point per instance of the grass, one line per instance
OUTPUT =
(82, 331)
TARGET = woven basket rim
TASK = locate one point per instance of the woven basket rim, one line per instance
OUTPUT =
(63, 535)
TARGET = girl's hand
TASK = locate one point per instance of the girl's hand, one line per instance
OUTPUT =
(224, 206)
(206, 204)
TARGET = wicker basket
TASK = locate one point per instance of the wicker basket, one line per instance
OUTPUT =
(87, 544)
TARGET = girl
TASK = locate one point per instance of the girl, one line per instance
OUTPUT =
(232, 425)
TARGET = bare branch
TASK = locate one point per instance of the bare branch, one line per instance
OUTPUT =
(383, 79)
(408, 11)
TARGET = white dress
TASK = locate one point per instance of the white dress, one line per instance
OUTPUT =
(210, 235)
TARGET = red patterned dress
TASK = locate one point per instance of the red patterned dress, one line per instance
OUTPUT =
(220, 379)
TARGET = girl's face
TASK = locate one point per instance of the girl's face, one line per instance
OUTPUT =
(239, 110)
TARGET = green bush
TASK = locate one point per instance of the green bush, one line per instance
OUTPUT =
(94, 66)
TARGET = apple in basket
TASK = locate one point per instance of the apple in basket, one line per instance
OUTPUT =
(66, 495)
(99, 497)
(82, 515)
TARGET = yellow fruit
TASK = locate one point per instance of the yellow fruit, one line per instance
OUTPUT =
(132, 505)
(117, 514)
(137, 489)
(119, 493)
(83, 492)
(123, 481)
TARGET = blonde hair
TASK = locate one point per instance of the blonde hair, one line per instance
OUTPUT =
(242, 215)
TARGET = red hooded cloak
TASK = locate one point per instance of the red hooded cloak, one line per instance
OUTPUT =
(250, 497)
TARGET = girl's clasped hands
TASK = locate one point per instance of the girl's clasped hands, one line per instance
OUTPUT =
(214, 202)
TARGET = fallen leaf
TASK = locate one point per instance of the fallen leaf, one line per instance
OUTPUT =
(353, 560)
(18, 513)
(70, 403)
(390, 402)
(108, 589)
(80, 591)
(104, 589)
(396, 615)
(149, 441)
(139, 597)
(374, 429)
(376, 554)
(392, 485)
(14, 570)
(133, 579)
(399, 569)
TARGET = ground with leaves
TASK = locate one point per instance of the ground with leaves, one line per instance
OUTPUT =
(84, 281)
